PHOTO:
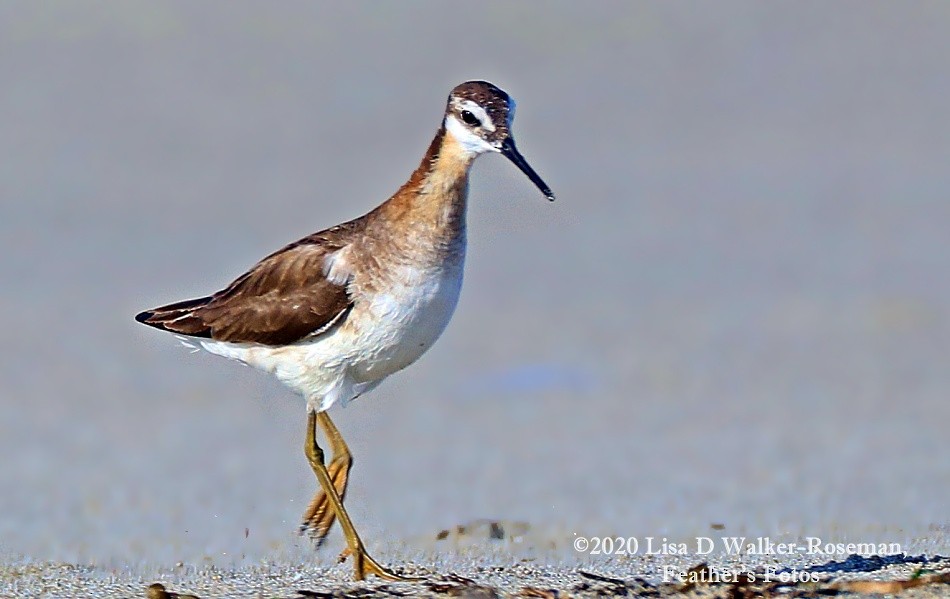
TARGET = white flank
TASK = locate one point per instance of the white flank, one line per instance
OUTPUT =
(336, 268)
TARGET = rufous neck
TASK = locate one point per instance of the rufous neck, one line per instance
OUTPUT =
(436, 193)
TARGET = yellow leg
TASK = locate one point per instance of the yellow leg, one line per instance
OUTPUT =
(362, 562)
(319, 516)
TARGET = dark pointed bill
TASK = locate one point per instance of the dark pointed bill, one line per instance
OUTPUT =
(511, 152)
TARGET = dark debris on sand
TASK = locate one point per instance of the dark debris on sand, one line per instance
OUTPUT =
(931, 578)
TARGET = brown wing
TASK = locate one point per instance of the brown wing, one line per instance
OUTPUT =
(284, 298)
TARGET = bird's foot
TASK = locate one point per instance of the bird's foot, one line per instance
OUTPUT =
(364, 565)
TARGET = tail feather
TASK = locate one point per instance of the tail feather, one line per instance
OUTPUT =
(178, 318)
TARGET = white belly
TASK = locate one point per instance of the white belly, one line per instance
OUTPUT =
(383, 334)
(400, 325)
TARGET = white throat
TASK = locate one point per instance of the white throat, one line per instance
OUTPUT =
(471, 143)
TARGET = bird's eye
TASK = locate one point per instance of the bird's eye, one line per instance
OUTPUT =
(470, 119)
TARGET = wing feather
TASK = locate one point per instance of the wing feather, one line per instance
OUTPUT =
(284, 298)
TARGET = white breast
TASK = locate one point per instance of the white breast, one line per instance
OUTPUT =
(384, 333)
(399, 325)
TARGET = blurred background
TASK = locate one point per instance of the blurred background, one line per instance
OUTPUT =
(737, 312)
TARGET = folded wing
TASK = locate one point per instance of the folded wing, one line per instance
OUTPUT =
(284, 298)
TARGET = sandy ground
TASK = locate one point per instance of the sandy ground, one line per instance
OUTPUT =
(487, 570)
(737, 312)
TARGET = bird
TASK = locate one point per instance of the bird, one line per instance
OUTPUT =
(335, 313)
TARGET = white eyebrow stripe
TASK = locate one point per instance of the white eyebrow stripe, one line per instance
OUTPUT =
(479, 113)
